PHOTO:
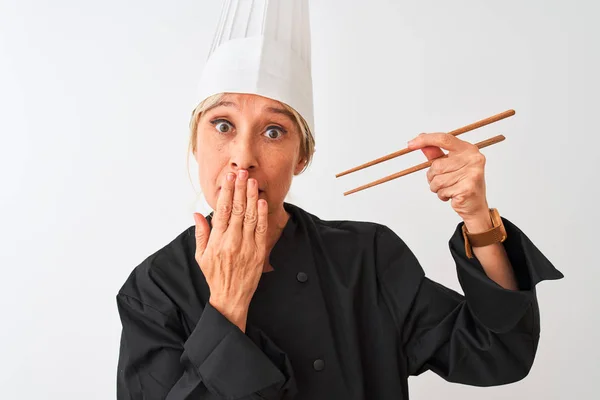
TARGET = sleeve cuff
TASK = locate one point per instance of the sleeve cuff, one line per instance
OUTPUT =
(229, 362)
(497, 308)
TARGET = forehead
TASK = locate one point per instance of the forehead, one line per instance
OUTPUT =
(251, 103)
(248, 99)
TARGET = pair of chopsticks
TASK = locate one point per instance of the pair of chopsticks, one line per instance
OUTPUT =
(470, 127)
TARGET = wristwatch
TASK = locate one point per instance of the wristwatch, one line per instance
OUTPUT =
(497, 234)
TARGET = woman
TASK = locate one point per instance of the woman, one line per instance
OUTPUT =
(264, 300)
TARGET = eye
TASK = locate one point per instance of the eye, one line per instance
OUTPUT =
(274, 131)
(222, 126)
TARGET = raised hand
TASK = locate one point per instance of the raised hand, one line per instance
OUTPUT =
(460, 176)
(232, 255)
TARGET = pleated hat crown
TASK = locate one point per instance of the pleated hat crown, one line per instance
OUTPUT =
(262, 47)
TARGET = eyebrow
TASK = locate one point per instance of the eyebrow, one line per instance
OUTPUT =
(274, 110)
(282, 111)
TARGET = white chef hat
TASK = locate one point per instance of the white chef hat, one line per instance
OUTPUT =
(262, 47)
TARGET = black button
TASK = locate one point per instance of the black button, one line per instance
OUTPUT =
(319, 365)
(302, 277)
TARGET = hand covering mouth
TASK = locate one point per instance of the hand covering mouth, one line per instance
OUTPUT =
(259, 190)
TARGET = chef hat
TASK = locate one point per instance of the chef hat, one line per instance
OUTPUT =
(262, 47)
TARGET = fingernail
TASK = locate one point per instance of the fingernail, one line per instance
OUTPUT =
(230, 177)
(410, 143)
(243, 174)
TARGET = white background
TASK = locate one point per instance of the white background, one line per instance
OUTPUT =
(95, 98)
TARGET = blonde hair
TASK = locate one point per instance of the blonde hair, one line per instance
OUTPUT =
(307, 146)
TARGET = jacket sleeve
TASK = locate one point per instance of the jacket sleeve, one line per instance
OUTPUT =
(486, 337)
(216, 361)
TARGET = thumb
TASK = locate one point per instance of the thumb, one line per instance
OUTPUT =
(202, 234)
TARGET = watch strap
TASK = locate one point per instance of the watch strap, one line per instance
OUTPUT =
(497, 234)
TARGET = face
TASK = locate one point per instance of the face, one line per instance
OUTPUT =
(244, 131)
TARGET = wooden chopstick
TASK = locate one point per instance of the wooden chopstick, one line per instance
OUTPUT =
(456, 132)
(480, 145)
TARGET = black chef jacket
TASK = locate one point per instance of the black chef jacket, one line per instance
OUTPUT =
(347, 313)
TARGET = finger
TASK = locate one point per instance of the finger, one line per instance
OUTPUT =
(442, 140)
(202, 233)
(447, 193)
(238, 208)
(260, 233)
(251, 217)
(443, 181)
(444, 166)
(223, 211)
(432, 152)
(461, 190)
(444, 195)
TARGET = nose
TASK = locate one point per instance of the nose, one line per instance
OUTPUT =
(242, 153)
